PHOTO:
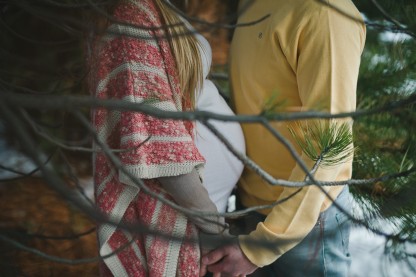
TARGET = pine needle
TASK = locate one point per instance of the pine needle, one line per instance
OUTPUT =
(330, 142)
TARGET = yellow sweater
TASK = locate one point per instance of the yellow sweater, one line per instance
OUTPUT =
(307, 55)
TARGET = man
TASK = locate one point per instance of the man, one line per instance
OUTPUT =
(306, 54)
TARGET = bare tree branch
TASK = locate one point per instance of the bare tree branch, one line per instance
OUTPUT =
(41, 254)
(38, 130)
(225, 25)
(49, 237)
(399, 27)
(74, 178)
(390, 18)
(53, 102)
(24, 174)
(139, 183)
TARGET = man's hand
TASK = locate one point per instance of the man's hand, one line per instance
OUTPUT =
(228, 259)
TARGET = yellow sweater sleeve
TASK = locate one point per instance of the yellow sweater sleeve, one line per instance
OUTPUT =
(326, 64)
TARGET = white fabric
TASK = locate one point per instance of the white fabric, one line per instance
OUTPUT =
(222, 169)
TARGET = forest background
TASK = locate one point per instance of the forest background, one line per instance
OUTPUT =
(43, 232)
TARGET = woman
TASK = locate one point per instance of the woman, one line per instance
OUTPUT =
(140, 61)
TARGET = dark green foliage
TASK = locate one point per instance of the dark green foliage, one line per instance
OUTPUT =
(387, 141)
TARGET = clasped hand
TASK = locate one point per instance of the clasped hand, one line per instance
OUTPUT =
(226, 260)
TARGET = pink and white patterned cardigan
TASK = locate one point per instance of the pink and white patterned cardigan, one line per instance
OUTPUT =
(135, 64)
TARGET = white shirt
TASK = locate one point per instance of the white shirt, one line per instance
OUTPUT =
(222, 168)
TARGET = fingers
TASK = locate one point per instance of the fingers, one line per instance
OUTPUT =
(218, 267)
(213, 261)
(227, 261)
(203, 267)
(214, 256)
(203, 270)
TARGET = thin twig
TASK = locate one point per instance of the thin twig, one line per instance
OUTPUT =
(388, 16)
(139, 183)
(37, 129)
(219, 24)
(49, 237)
(74, 178)
(23, 174)
(56, 259)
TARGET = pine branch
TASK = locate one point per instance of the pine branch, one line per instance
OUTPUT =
(328, 142)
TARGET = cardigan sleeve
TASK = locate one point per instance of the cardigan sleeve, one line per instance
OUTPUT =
(328, 58)
(137, 67)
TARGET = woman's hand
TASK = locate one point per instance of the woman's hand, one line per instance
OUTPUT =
(227, 260)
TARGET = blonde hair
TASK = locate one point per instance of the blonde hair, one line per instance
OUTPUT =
(185, 49)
